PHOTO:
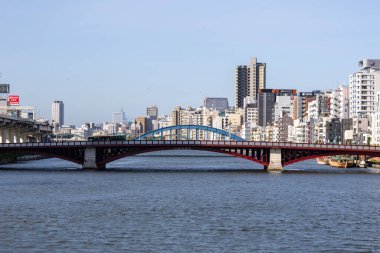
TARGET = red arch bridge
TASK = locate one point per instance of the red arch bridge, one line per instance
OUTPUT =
(272, 155)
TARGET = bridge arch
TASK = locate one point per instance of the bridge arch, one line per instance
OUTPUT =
(288, 160)
(152, 149)
(67, 155)
(189, 131)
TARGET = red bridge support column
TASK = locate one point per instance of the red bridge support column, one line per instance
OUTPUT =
(275, 164)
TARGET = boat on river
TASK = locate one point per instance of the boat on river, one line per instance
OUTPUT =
(323, 160)
(362, 164)
(341, 162)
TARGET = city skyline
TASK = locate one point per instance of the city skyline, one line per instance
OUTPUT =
(124, 54)
(189, 126)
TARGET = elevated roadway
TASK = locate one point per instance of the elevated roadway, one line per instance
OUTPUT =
(20, 130)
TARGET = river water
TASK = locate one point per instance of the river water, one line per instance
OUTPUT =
(187, 202)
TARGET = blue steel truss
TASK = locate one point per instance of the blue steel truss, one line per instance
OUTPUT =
(188, 128)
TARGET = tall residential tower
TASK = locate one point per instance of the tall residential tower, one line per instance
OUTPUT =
(58, 113)
(248, 80)
(364, 84)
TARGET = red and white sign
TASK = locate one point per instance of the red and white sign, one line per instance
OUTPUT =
(13, 100)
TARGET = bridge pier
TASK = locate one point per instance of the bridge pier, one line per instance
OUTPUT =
(23, 137)
(90, 160)
(17, 137)
(2, 135)
(9, 137)
(275, 164)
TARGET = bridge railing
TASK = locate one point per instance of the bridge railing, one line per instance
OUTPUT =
(232, 144)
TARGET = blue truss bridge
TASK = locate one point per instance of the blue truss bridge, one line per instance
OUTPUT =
(189, 132)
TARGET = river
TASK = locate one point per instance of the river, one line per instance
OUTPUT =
(187, 202)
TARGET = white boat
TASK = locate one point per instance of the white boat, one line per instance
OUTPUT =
(323, 160)
(362, 164)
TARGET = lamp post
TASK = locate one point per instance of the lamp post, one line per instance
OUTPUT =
(229, 130)
(133, 127)
(138, 130)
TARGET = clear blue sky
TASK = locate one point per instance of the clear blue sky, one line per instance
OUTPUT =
(98, 56)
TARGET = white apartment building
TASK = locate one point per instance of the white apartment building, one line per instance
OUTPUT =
(312, 110)
(197, 116)
(193, 116)
(162, 121)
(272, 134)
(257, 133)
(318, 130)
(251, 112)
(340, 103)
(110, 128)
(217, 122)
(283, 104)
(375, 126)
(246, 132)
(82, 132)
(299, 132)
(364, 84)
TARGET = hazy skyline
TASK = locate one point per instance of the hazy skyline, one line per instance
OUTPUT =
(99, 56)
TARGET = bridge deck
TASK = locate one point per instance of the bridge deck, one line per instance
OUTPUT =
(180, 143)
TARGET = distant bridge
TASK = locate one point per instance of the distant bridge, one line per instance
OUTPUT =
(188, 132)
(272, 155)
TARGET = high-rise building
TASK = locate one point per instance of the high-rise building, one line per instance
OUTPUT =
(119, 117)
(364, 84)
(248, 80)
(266, 100)
(58, 113)
(219, 104)
(152, 112)
(241, 85)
